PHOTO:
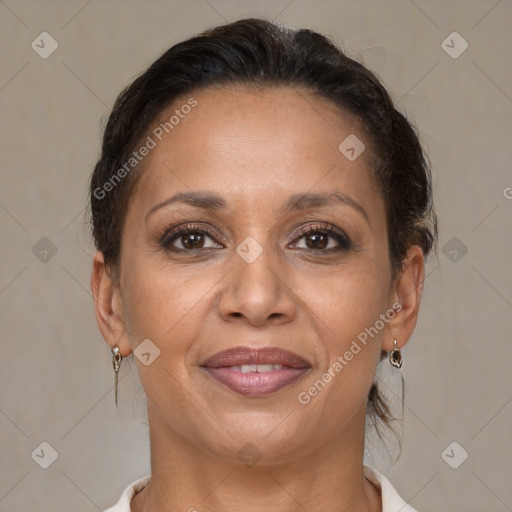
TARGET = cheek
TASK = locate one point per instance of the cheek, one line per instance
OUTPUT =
(163, 303)
(348, 300)
(343, 309)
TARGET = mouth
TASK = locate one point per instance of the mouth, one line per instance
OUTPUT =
(255, 372)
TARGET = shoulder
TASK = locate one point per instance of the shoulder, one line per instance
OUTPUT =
(123, 505)
(391, 501)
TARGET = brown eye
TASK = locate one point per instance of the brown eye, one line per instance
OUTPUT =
(317, 240)
(188, 239)
(323, 238)
(192, 240)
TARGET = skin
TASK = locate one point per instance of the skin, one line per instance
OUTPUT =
(255, 148)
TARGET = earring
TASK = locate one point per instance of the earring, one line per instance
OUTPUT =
(116, 363)
(395, 356)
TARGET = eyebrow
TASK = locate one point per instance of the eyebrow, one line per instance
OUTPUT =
(301, 201)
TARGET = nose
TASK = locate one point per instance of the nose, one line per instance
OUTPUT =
(257, 291)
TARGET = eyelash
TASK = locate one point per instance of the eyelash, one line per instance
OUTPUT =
(323, 228)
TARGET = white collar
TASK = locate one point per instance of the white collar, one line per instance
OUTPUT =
(391, 501)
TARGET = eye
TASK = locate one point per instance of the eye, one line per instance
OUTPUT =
(191, 237)
(323, 237)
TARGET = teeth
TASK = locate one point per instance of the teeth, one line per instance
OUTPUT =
(259, 368)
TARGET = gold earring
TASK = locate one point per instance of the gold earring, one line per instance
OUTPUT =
(395, 356)
(116, 363)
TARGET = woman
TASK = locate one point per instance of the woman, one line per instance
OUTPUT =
(262, 214)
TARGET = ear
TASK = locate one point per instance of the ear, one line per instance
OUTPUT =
(406, 291)
(108, 306)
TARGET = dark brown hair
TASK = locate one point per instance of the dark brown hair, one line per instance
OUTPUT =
(257, 52)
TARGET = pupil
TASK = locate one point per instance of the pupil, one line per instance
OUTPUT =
(191, 239)
(318, 243)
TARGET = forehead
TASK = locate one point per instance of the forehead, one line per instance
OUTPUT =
(254, 141)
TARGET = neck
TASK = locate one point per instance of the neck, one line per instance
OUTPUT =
(186, 477)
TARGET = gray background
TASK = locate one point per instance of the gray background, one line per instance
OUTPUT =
(57, 381)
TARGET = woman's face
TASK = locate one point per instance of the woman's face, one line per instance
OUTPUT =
(256, 278)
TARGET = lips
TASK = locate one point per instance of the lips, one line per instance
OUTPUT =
(244, 355)
(255, 372)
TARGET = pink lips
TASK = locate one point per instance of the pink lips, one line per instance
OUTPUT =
(255, 383)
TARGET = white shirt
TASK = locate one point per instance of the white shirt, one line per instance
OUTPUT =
(391, 501)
